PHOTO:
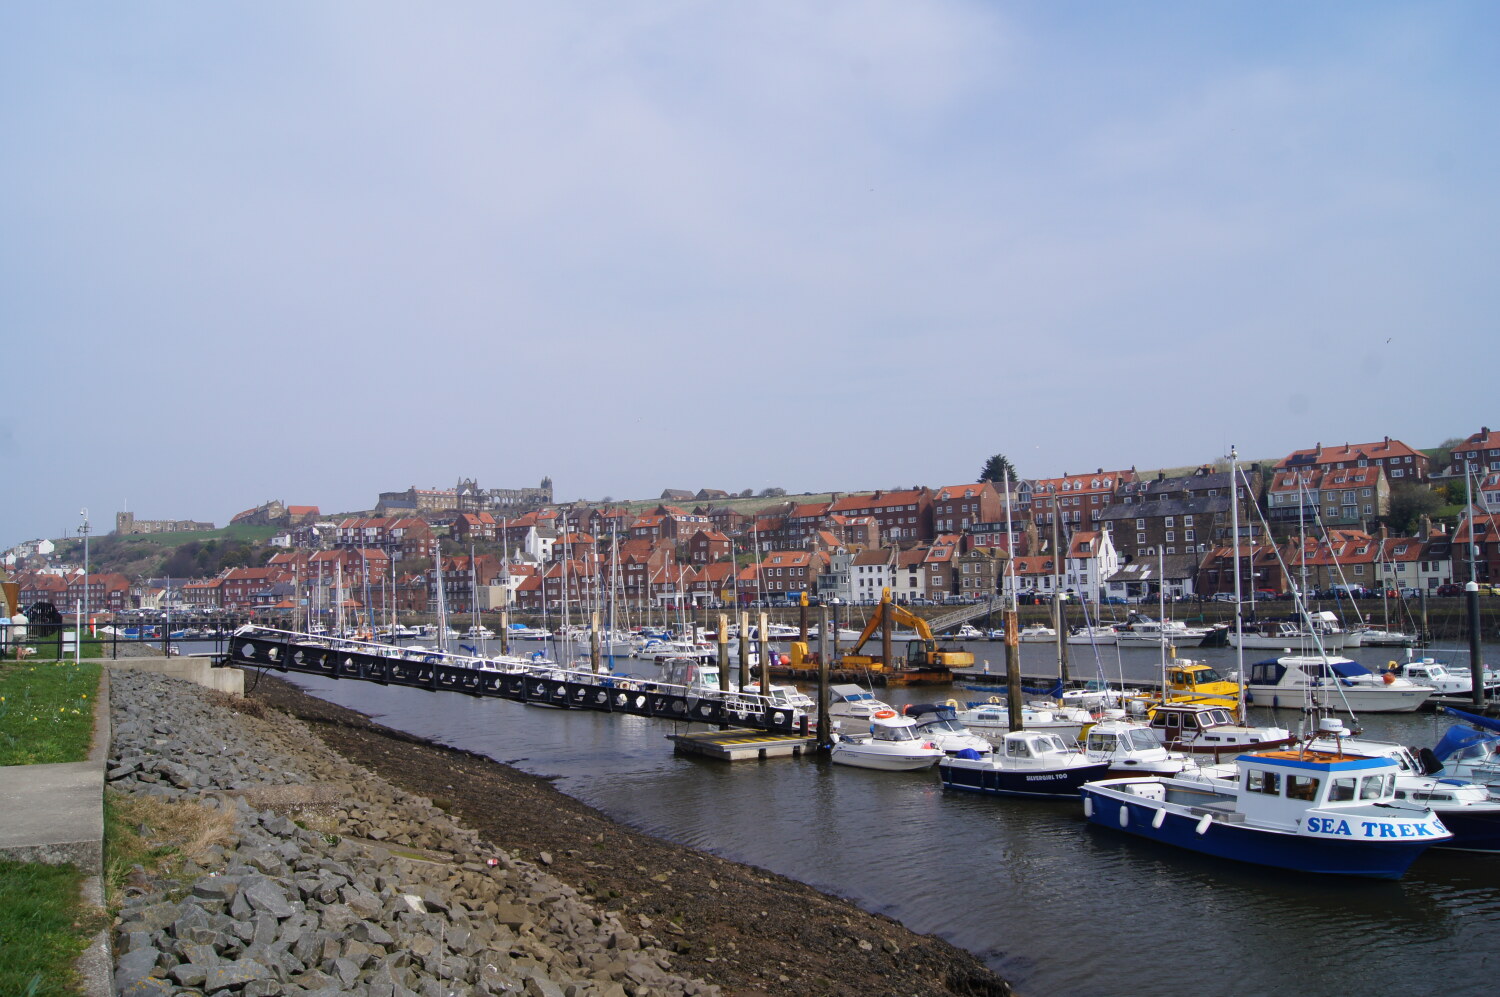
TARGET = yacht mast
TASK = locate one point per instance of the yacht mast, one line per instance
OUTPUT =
(1239, 615)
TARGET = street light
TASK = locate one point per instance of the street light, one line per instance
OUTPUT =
(84, 530)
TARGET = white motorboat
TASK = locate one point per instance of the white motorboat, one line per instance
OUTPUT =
(788, 696)
(1132, 748)
(520, 632)
(991, 720)
(1097, 635)
(891, 744)
(1373, 636)
(1036, 633)
(939, 723)
(968, 632)
(1143, 631)
(1333, 682)
(1453, 687)
(1025, 763)
(852, 703)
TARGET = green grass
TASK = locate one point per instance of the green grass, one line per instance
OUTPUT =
(44, 926)
(46, 712)
(46, 650)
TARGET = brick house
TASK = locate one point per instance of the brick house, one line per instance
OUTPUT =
(1400, 462)
(707, 546)
(1170, 525)
(784, 571)
(1341, 496)
(1073, 500)
(1477, 538)
(1478, 454)
(958, 507)
(469, 527)
(978, 573)
(900, 515)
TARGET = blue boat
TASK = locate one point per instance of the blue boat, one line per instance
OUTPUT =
(1307, 809)
(1026, 763)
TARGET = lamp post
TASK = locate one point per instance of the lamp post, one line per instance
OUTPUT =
(84, 532)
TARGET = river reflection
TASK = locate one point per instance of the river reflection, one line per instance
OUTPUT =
(1053, 904)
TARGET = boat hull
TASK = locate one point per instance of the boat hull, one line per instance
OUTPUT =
(1358, 700)
(1256, 846)
(1475, 829)
(881, 762)
(993, 781)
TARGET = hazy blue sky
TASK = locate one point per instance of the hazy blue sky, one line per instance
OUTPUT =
(312, 251)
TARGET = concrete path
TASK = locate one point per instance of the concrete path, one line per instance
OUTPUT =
(53, 814)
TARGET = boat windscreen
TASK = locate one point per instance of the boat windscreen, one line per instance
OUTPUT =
(1462, 741)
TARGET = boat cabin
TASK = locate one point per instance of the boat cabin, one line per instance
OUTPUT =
(690, 673)
(1281, 785)
(1173, 721)
(1114, 738)
(1023, 747)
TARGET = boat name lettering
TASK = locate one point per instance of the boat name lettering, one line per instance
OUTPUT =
(1328, 825)
(1395, 830)
(1045, 778)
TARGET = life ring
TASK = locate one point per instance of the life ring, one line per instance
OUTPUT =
(884, 714)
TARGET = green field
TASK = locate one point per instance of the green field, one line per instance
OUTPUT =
(44, 926)
(46, 712)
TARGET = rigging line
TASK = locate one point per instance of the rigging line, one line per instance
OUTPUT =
(1343, 580)
(1301, 605)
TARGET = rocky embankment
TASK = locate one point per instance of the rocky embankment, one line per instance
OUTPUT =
(319, 864)
(314, 876)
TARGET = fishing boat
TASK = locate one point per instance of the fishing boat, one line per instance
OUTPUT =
(1466, 809)
(892, 744)
(1202, 728)
(938, 723)
(1025, 763)
(1308, 809)
(1132, 748)
(1335, 681)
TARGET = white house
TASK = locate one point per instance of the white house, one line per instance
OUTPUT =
(1091, 561)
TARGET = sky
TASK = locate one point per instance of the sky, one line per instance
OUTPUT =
(316, 251)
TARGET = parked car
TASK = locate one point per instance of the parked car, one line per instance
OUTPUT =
(1223, 597)
(1114, 600)
(1267, 594)
(1449, 590)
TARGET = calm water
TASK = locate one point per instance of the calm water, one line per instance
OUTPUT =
(1054, 905)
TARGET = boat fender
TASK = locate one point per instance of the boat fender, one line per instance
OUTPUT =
(884, 714)
(1389, 678)
(1203, 823)
(1124, 815)
(995, 699)
(1158, 818)
(1088, 806)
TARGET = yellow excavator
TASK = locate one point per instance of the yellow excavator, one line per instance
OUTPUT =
(922, 653)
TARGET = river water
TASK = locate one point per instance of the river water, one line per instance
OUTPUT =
(1053, 904)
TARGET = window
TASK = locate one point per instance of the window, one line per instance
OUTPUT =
(1189, 535)
(1302, 787)
(1171, 521)
(1171, 535)
(1257, 781)
(1140, 524)
(1187, 520)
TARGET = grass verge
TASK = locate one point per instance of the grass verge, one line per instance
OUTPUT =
(157, 835)
(47, 711)
(44, 926)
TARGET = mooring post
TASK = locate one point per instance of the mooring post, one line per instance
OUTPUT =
(887, 650)
(825, 727)
(802, 618)
(505, 626)
(744, 648)
(594, 640)
(723, 638)
(822, 633)
(765, 655)
(1013, 668)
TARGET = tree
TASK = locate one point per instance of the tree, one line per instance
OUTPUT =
(996, 468)
(1442, 455)
(1409, 503)
(772, 492)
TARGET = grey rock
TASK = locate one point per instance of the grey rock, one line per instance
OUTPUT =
(137, 963)
(146, 986)
(267, 897)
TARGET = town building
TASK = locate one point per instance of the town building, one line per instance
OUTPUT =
(1399, 461)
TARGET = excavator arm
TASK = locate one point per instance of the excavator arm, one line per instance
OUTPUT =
(897, 614)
